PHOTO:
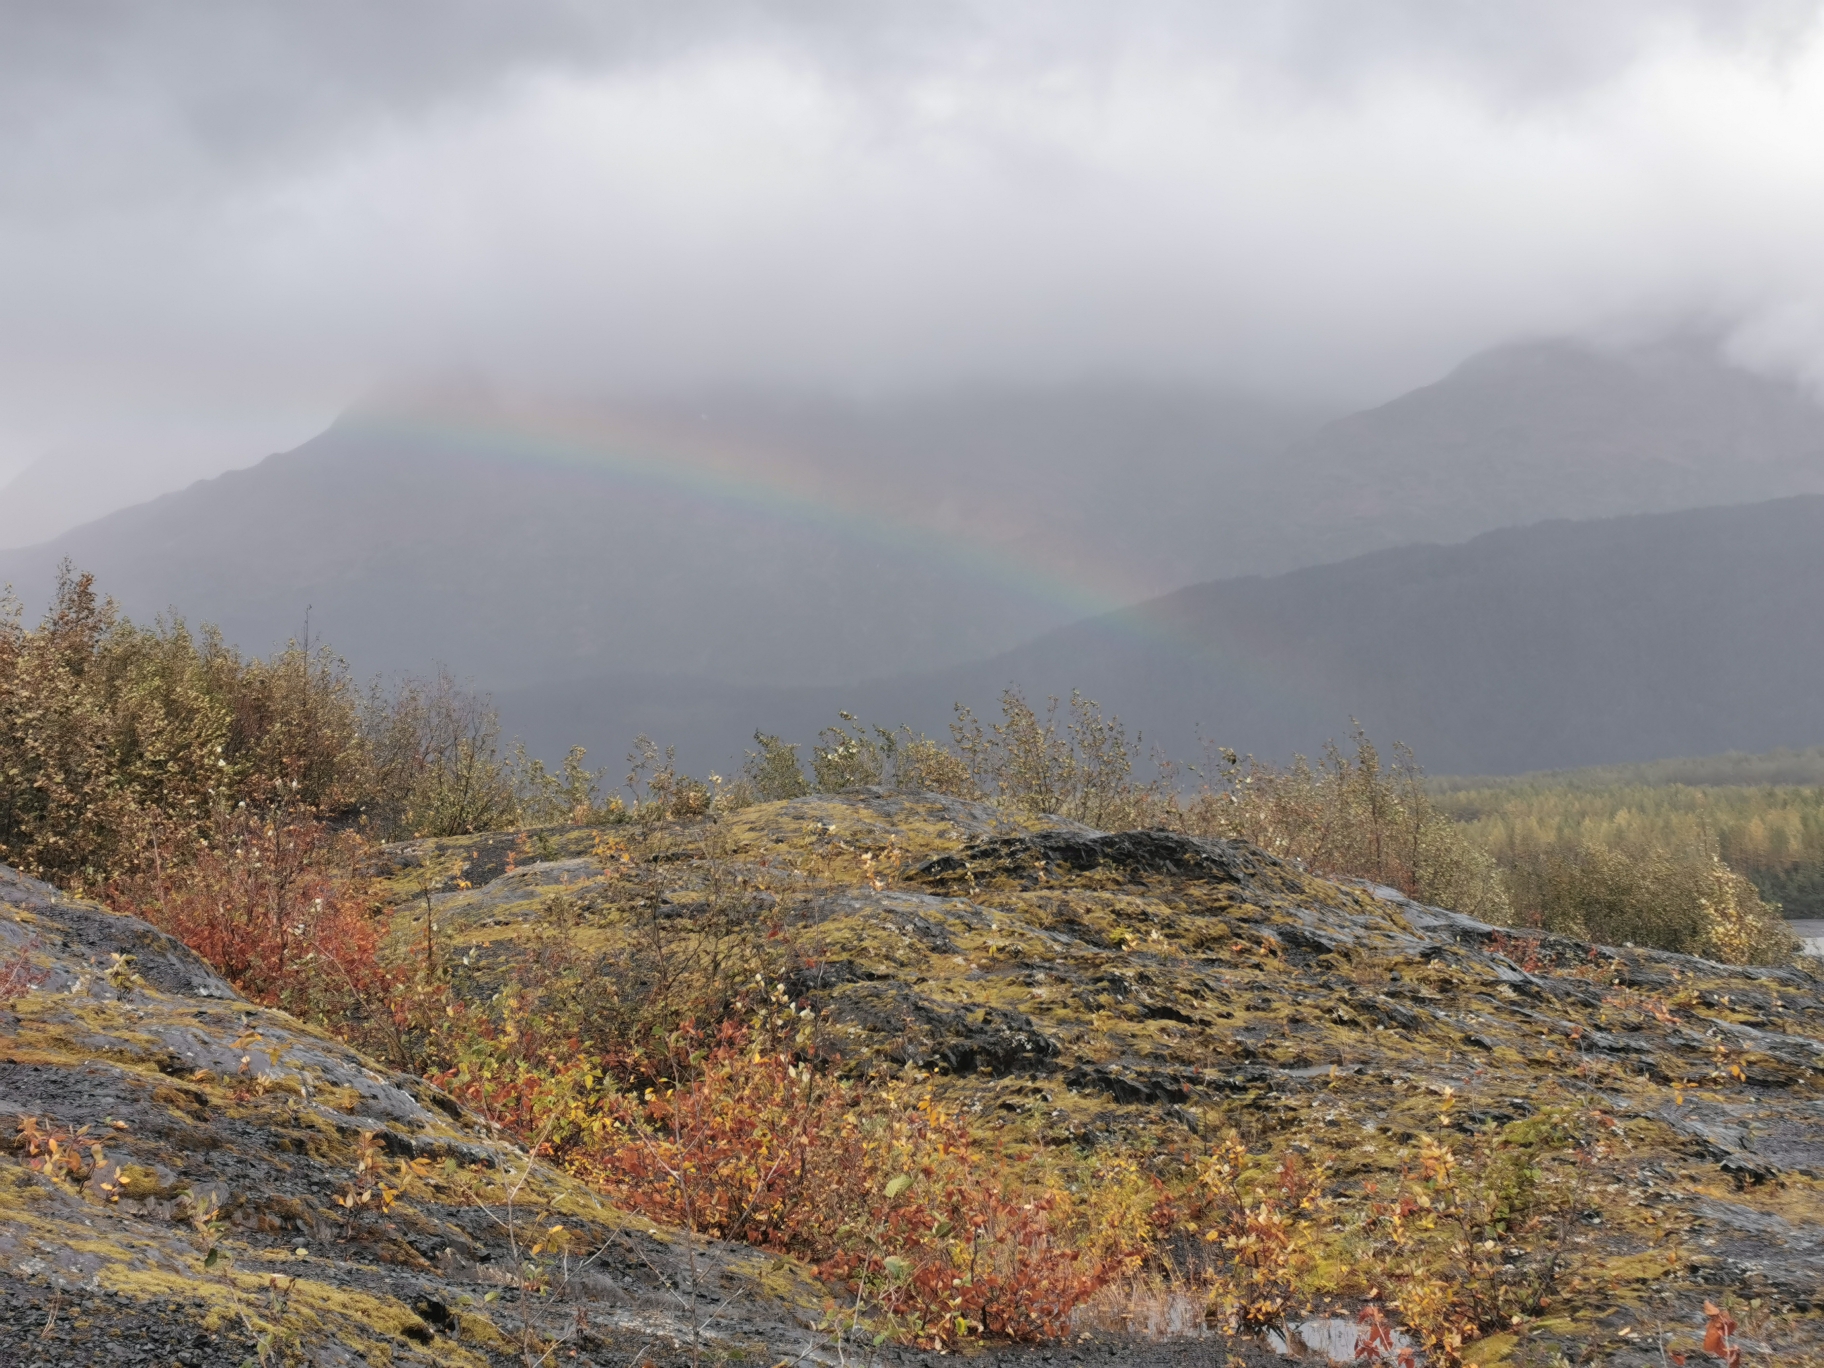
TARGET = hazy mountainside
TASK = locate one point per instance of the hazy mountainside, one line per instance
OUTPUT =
(523, 547)
(66, 488)
(407, 551)
(1549, 430)
(1544, 646)
(1119, 490)
(762, 541)
(1564, 643)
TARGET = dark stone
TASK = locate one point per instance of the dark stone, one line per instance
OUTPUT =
(435, 1312)
(1136, 854)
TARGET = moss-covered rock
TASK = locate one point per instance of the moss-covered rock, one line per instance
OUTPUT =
(150, 1116)
(1082, 994)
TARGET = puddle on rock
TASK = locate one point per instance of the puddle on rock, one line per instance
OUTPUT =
(1154, 1313)
(1171, 1313)
(1336, 1339)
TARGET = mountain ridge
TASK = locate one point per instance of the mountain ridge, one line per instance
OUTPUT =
(803, 546)
(1603, 641)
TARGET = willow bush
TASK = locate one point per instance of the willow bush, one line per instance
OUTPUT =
(110, 732)
(122, 746)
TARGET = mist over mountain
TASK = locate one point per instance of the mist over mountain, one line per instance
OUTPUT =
(523, 545)
(1551, 430)
(754, 542)
(1561, 644)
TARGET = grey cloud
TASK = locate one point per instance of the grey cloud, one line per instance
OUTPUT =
(213, 211)
(88, 86)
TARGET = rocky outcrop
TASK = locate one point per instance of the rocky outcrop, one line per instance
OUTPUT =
(1140, 994)
(186, 1120)
(1132, 996)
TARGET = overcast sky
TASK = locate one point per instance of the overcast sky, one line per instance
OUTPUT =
(221, 221)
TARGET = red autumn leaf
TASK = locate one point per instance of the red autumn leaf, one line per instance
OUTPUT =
(1716, 1335)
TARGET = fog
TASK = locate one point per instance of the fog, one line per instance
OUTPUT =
(221, 223)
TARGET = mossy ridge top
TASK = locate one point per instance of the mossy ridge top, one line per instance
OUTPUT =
(1083, 995)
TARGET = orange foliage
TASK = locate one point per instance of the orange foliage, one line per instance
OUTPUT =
(18, 976)
(280, 911)
(888, 1197)
(1719, 1335)
(741, 1135)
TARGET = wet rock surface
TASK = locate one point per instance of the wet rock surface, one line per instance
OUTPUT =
(1143, 993)
(1071, 991)
(204, 1105)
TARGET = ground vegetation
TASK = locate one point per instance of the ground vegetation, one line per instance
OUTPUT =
(987, 1041)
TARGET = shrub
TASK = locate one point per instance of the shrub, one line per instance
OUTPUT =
(659, 790)
(18, 975)
(1739, 927)
(109, 732)
(1352, 816)
(746, 1140)
(114, 737)
(921, 765)
(850, 755)
(541, 798)
(1080, 767)
(436, 762)
(1688, 901)
(846, 759)
(279, 909)
(1466, 1238)
(773, 771)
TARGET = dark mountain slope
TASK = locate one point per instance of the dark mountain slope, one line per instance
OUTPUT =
(519, 549)
(1560, 644)
(1566, 643)
(408, 550)
(756, 540)
(1549, 430)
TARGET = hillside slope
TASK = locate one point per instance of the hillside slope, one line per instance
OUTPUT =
(188, 1119)
(1555, 645)
(1551, 430)
(1562, 644)
(522, 545)
(747, 540)
(1131, 999)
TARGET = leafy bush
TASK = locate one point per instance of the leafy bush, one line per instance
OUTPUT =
(921, 765)
(542, 798)
(1688, 901)
(109, 731)
(18, 975)
(280, 909)
(846, 759)
(659, 790)
(773, 772)
(435, 755)
(1352, 816)
(745, 1139)
(850, 755)
(1081, 767)
(115, 738)
(1469, 1237)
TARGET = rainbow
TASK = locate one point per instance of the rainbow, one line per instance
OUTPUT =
(640, 451)
(668, 454)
